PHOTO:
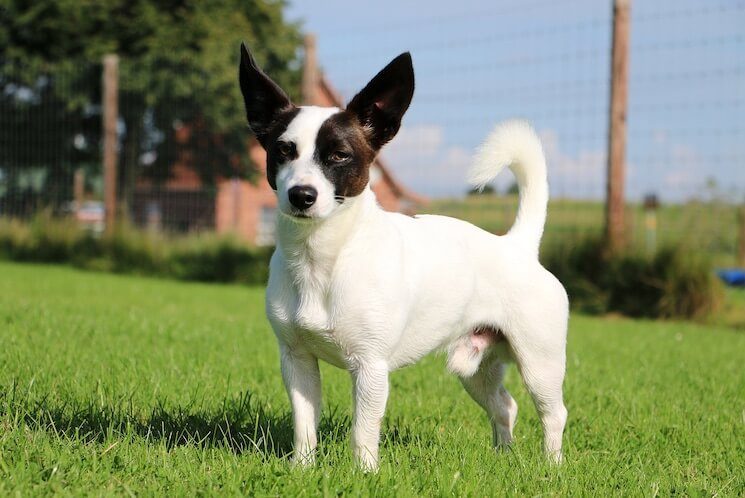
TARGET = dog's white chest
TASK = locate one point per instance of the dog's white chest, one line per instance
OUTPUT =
(302, 308)
(311, 312)
(308, 325)
(298, 307)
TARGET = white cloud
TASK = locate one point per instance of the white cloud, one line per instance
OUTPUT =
(675, 171)
(582, 176)
(419, 158)
(684, 159)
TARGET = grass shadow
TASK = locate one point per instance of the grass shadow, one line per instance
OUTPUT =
(240, 424)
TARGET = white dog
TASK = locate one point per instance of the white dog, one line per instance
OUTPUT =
(372, 291)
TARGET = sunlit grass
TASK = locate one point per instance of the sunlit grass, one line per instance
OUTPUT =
(117, 385)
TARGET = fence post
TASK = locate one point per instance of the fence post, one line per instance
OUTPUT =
(110, 102)
(310, 70)
(615, 202)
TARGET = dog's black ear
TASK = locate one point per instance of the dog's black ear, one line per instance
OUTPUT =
(264, 99)
(380, 106)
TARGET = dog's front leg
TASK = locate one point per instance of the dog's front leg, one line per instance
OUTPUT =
(303, 383)
(370, 396)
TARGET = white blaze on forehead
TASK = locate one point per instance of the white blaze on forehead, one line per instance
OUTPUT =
(303, 130)
(303, 170)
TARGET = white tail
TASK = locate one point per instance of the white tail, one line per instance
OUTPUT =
(515, 144)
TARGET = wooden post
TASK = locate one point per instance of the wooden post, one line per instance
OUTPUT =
(616, 176)
(310, 71)
(110, 102)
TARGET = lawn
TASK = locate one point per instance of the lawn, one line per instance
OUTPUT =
(127, 385)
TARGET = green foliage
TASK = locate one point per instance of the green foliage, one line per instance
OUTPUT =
(707, 227)
(487, 189)
(210, 259)
(44, 239)
(178, 68)
(121, 385)
(203, 257)
(673, 283)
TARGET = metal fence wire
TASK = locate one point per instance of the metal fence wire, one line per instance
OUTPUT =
(548, 62)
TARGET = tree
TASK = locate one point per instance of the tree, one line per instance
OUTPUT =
(178, 68)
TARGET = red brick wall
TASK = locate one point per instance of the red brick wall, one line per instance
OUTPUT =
(239, 202)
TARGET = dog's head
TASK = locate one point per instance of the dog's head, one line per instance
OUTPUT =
(317, 157)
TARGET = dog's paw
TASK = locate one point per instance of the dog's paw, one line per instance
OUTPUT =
(555, 457)
(366, 461)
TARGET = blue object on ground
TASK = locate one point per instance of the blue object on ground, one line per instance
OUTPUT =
(733, 276)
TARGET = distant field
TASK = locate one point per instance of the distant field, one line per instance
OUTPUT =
(708, 227)
(133, 386)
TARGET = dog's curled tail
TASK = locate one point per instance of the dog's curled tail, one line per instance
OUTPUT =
(516, 145)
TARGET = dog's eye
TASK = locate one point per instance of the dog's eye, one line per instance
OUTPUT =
(284, 149)
(338, 156)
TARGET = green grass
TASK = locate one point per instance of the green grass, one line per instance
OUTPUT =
(125, 385)
(709, 227)
(733, 312)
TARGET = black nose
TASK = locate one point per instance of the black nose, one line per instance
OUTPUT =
(302, 197)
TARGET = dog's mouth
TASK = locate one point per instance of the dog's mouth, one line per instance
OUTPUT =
(296, 215)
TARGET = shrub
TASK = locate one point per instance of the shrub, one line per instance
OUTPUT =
(44, 239)
(209, 259)
(204, 257)
(673, 283)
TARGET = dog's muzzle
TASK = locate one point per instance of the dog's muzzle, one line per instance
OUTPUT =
(302, 196)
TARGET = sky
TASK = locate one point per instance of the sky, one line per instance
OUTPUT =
(478, 62)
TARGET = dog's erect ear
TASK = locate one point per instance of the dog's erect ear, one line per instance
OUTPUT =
(380, 106)
(264, 99)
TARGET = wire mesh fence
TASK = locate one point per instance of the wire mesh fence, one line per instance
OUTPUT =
(549, 62)
(183, 169)
(49, 128)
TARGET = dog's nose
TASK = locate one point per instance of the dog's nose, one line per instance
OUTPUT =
(302, 196)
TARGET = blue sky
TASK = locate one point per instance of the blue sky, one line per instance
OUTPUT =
(478, 62)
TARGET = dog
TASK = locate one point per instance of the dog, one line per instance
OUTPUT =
(371, 291)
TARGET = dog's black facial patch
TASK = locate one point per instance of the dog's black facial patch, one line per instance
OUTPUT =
(278, 153)
(344, 154)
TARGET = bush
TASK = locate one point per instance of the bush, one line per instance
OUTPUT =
(672, 283)
(44, 239)
(212, 259)
(206, 257)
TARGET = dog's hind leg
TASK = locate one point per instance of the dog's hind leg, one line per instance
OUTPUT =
(542, 371)
(485, 387)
